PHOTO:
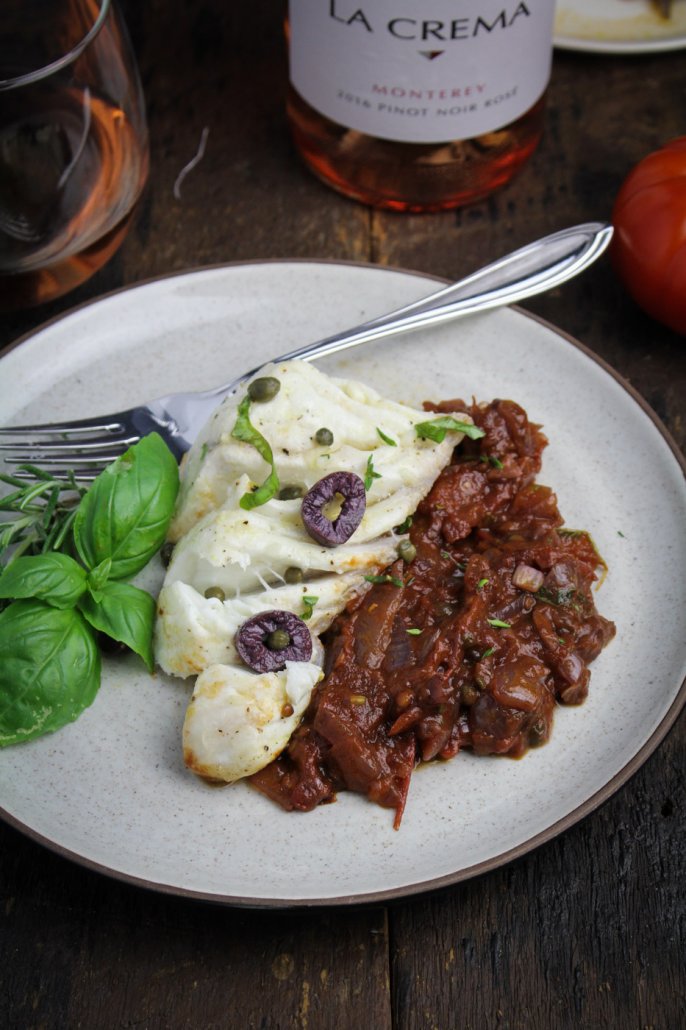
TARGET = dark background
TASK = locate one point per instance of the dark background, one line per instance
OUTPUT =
(587, 931)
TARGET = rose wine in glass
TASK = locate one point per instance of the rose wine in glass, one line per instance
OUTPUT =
(73, 164)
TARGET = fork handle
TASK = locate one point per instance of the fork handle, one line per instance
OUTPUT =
(533, 269)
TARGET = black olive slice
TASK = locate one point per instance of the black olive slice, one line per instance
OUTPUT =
(326, 531)
(252, 646)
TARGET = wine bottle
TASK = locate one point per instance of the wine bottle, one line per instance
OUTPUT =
(418, 105)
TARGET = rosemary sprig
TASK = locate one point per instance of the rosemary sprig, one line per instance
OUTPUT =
(41, 511)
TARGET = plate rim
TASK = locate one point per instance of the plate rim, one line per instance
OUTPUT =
(576, 815)
(619, 45)
(617, 48)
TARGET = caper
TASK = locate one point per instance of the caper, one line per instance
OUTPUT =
(166, 553)
(403, 699)
(277, 640)
(469, 694)
(215, 592)
(324, 437)
(293, 574)
(538, 733)
(407, 551)
(290, 492)
(263, 389)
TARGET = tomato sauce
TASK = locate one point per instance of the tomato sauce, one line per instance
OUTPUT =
(472, 644)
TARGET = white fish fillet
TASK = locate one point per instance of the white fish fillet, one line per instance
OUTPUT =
(239, 720)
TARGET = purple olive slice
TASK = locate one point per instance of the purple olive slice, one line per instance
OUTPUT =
(326, 531)
(253, 638)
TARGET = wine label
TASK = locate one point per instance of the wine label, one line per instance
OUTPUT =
(421, 71)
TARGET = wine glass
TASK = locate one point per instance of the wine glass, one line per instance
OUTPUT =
(73, 144)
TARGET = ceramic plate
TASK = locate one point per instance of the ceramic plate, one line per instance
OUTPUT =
(619, 26)
(111, 791)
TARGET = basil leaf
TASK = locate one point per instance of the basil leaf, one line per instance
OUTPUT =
(53, 577)
(126, 513)
(49, 669)
(97, 578)
(437, 428)
(245, 431)
(126, 614)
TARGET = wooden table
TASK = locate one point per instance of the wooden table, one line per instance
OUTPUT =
(588, 930)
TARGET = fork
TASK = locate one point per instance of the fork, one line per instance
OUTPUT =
(85, 447)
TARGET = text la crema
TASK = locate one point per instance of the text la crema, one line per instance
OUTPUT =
(428, 30)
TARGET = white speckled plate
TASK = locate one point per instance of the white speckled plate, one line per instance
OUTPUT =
(111, 792)
(619, 26)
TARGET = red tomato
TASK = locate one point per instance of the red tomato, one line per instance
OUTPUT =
(649, 243)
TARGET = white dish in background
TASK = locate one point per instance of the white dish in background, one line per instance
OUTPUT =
(110, 790)
(619, 26)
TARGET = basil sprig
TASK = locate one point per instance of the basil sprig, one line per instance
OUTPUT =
(245, 431)
(437, 428)
(49, 656)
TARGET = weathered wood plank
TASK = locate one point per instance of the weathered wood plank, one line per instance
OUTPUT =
(588, 931)
(80, 950)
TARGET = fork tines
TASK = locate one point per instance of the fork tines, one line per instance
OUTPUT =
(83, 449)
(63, 429)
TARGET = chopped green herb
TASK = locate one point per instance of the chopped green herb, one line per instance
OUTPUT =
(386, 439)
(308, 606)
(488, 652)
(370, 474)
(385, 579)
(458, 564)
(404, 526)
(560, 596)
(498, 623)
(245, 431)
(619, 533)
(482, 583)
(414, 632)
(437, 428)
(490, 459)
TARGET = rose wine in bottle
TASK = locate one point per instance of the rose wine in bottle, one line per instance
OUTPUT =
(418, 105)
